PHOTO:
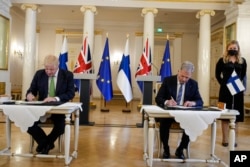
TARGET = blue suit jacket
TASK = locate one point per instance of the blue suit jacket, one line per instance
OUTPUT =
(168, 89)
(64, 86)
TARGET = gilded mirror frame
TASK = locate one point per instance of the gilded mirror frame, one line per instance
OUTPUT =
(4, 42)
(230, 33)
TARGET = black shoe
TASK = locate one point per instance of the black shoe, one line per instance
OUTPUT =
(179, 154)
(47, 148)
(39, 148)
(166, 155)
(51, 146)
(224, 144)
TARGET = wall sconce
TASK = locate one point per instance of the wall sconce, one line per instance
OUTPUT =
(116, 58)
(116, 62)
(18, 53)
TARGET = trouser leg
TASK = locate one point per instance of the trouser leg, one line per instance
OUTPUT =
(165, 124)
(58, 129)
(184, 141)
(37, 133)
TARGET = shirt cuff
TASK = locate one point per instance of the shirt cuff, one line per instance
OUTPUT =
(57, 98)
(166, 102)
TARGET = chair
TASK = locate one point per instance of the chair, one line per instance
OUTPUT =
(47, 124)
(175, 128)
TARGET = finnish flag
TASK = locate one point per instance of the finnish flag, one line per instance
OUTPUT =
(234, 84)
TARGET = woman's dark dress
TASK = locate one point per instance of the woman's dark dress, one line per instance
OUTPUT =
(223, 72)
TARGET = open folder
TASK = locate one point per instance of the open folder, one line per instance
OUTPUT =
(191, 108)
(52, 103)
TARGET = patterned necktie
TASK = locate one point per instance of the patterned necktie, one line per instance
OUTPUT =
(179, 95)
(52, 89)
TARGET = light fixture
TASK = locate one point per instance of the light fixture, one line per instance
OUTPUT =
(18, 53)
(116, 58)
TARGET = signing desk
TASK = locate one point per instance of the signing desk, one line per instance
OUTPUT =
(193, 121)
(24, 116)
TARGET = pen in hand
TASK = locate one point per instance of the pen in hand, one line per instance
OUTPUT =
(172, 102)
(30, 97)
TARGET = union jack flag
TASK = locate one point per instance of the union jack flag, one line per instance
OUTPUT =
(144, 67)
(84, 62)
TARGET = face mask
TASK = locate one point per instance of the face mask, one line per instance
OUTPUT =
(232, 52)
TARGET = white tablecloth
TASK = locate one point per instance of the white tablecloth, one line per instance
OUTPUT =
(194, 122)
(24, 116)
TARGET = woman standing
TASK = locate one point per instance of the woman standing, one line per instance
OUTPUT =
(231, 61)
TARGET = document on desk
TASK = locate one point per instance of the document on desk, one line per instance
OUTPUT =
(178, 107)
(30, 102)
(41, 103)
(199, 108)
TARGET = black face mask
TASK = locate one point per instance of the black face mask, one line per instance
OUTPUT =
(232, 52)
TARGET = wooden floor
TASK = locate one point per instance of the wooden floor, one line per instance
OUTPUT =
(115, 141)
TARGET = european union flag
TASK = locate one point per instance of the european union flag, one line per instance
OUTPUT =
(104, 79)
(165, 70)
(63, 57)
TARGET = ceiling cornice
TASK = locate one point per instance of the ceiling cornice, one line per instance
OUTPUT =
(161, 4)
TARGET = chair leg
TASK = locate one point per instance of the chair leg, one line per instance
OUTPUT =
(159, 145)
(60, 142)
(187, 150)
(158, 140)
(31, 144)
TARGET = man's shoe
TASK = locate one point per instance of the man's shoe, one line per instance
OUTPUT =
(47, 149)
(51, 146)
(166, 155)
(179, 154)
(39, 148)
(224, 144)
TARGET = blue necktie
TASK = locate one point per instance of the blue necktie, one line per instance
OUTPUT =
(179, 95)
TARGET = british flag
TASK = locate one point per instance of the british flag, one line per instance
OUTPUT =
(144, 67)
(84, 62)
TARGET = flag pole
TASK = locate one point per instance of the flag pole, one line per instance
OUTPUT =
(233, 102)
(123, 79)
(126, 109)
(104, 82)
(104, 109)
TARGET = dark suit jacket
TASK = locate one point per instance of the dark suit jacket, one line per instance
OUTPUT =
(168, 89)
(64, 86)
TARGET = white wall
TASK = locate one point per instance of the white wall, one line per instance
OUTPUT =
(182, 48)
(16, 44)
(190, 50)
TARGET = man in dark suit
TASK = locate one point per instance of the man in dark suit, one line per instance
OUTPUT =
(40, 89)
(175, 90)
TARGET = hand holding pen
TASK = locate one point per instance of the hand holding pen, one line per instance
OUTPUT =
(30, 97)
(171, 102)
